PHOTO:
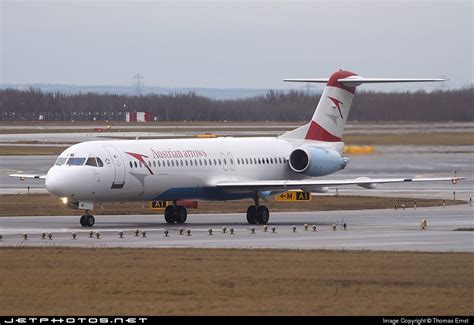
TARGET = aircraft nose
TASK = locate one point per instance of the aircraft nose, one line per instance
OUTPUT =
(54, 185)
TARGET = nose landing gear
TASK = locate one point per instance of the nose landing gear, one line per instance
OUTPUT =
(87, 220)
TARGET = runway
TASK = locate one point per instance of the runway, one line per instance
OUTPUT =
(387, 230)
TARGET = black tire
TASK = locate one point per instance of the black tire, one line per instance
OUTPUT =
(83, 221)
(169, 214)
(90, 221)
(181, 214)
(252, 215)
(263, 215)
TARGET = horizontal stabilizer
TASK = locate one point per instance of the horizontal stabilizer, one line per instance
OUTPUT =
(354, 81)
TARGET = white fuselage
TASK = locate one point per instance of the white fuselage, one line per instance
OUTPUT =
(143, 170)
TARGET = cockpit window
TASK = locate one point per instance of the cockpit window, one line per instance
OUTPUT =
(60, 161)
(75, 161)
(94, 162)
(91, 162)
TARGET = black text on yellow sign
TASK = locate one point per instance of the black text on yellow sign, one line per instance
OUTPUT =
(292, 196)
(157, 204)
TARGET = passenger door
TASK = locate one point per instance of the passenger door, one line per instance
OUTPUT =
(224, 161)
(231, 161)
(119, 167)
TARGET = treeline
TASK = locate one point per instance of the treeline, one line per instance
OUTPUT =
(32, 104)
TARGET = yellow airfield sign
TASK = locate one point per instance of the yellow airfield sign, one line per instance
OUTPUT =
(293, 196)
(157, 204)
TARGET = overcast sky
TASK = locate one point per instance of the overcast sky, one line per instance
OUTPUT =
(238, 44)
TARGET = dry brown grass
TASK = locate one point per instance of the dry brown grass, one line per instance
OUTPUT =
(45, 204)
(30, 150)
(62, 281)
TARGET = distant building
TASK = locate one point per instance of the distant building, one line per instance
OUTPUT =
(138, 117)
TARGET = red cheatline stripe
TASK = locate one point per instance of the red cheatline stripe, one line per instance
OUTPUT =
(140, 158)
(316, 132)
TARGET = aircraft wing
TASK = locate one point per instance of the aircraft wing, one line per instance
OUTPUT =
(308, 183)
(23, 176)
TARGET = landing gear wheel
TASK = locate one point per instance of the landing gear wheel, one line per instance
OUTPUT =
(90, 221)
(169, 214)
(263, 215)
(83, 221)
(181, 214)
(252, 215)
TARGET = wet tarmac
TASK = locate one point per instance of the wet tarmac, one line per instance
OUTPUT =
(388, 230)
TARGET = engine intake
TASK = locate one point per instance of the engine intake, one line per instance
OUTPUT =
(316, 161)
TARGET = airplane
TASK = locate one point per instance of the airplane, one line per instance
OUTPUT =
(222, 168)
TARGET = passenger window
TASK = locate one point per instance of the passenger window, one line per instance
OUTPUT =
(154, 163)
(191, 162)
(210, 162)
(205, 162)
(215, 162)
(186, 162)
(238, 161)
(219, 161)
(136, 165)
(131, 165)
(181, 163)
(159, 163)
(168, 163)
(225, 161)
(268, 161)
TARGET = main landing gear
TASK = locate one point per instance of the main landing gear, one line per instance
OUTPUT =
(257, 214)
(87, 220)
(176, 213)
